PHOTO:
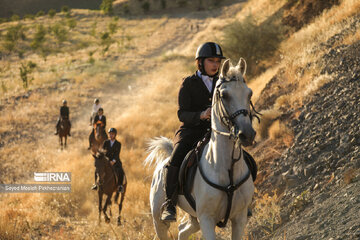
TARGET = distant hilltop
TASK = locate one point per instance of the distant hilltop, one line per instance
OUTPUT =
(23, 7)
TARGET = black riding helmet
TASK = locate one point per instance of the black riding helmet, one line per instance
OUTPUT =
(96, 100)
(112, 130)
(208, 50)
(64, 101)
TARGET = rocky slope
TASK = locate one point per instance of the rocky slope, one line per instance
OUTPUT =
(318, 176)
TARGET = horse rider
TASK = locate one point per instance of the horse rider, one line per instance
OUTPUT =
(95, 110)
(64, 115)
(99, 119)
(194, 112)
(112, 147)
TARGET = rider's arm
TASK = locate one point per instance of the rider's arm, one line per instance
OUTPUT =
(185, 115)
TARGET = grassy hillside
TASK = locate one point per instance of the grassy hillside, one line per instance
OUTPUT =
(135, 66)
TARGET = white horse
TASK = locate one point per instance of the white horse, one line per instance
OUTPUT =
(224, 177)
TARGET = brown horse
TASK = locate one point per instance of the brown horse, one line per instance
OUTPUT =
(99, 137)
(107, 185)
(64, 130)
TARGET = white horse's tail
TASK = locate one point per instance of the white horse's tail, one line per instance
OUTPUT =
(160, 149)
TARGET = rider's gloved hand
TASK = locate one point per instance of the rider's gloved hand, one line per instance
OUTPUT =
(205, 114)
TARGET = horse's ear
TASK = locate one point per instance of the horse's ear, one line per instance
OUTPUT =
(242, 66)
(225, 67)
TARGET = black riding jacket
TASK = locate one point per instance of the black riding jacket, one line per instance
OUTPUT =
(64, 112)
(113, 152)
(194, 97)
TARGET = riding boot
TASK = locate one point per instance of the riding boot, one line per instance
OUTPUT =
(89, 142)
(94, 187)
(120, 180)
(169, 207)
(57, 127)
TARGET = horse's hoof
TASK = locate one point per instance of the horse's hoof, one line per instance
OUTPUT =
(118, 221)
(107, 220)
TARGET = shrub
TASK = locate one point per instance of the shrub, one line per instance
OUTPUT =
(106, 6)
(251, 41)
(29, 16)
(145, 6)
(2, 20)
(112, 27)
(26, 69)
(39, 37)
(52, 12)
(40, 13)
(71, 23)
(12, 35)
(15, 17)
(59, 32)
(65, 8)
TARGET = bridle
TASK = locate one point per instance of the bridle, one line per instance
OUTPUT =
(228, 119)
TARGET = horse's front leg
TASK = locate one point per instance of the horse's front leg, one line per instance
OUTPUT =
(60, 141)
(65, 140)
(187, 228)
(207, 226)
(100, 193)
(107, 202)
(238, 225)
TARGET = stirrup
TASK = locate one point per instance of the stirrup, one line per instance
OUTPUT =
(94, 187)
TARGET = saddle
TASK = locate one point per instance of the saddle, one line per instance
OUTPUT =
(189, 167)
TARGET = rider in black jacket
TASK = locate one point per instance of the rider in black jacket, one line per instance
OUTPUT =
(194, 111)
(112, 148)
(64, 115)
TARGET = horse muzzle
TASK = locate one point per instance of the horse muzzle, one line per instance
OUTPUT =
(246, 137)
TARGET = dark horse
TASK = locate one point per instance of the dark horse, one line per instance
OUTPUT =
(99, 137)
(107, 185)
(64, 130)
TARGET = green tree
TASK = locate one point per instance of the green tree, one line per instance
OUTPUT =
(59, 32)
(107, 6)
(52, 12)
(25, 70)
(15, 17)
(65, 8)
(12, 36)
(40, 13)
(71, 23)
(39, 37)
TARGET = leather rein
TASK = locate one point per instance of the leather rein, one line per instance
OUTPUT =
(228, 120)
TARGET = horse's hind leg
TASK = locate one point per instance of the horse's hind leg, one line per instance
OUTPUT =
(188, 227)
(157, 198)
(120, 204)
(65, 140)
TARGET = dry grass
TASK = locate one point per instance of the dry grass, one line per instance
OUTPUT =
(138, 91)
(267, 213)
